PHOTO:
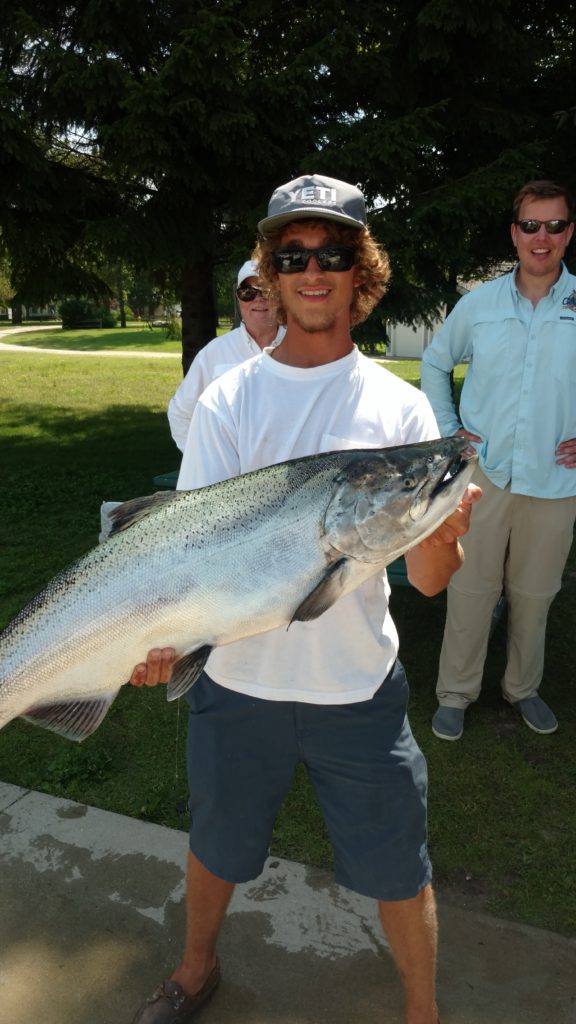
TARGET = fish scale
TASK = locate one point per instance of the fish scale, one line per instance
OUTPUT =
(197, 569)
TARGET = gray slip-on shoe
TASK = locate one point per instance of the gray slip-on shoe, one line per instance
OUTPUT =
(536, 713)
(448, 723)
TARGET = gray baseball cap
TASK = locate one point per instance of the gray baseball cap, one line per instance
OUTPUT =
(315, 196)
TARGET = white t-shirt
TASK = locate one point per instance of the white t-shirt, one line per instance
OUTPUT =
(263, 412)
(215, 358)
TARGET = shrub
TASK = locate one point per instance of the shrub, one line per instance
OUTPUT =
(75, 311)
(174, 329)
(108, 318)
(80, 311)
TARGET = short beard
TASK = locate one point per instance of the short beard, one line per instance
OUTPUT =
(314, 328)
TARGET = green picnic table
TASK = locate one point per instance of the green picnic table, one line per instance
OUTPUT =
(166, 481)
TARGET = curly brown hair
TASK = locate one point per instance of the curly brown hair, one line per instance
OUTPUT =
(371, 263)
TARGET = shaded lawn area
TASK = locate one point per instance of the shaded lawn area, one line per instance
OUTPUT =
(74, 432)
(134, 336)
(502, 823)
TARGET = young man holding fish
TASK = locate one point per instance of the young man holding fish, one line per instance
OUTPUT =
(331, 691)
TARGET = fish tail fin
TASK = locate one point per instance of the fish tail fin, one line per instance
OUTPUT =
(75, 720)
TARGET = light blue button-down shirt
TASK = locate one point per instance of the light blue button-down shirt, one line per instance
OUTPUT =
(519, 394)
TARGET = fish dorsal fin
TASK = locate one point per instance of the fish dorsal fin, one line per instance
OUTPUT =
(75, 719)
(186, 671)
(324, 595)
(132, 511)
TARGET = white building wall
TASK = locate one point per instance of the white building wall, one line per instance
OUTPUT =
(409, 342)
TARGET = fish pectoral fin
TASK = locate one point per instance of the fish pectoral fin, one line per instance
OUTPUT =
(131, 511)
(74, 719)
(186, 671)
(324, 595)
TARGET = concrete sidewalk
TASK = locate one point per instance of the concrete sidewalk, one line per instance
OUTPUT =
(92, 917)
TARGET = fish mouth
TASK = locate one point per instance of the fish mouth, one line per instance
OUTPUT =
(454, 465)
(458, 463)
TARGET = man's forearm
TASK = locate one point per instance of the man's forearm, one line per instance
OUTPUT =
(436, 385)
(430, 569)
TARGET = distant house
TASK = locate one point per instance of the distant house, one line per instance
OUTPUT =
(30, 312)
(409, 342)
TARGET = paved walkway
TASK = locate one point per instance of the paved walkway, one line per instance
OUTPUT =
(7, 347)
(92, 917)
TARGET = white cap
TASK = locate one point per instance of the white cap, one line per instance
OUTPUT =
(248, 269)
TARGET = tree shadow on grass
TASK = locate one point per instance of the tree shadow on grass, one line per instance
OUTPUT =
(57, 469)
(141, 338)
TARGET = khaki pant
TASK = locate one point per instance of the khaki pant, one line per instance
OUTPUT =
(521, 544)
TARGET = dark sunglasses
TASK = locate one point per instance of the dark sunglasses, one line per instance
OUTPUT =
(247, 292)
(330, 257)
(553, 227)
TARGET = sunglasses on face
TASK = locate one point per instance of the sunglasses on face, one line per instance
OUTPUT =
(248, 292)
(553, 227)
(330, 257)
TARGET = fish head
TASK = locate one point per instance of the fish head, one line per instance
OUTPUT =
(389, 499)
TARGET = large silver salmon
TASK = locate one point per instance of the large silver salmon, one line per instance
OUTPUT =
(197, 569)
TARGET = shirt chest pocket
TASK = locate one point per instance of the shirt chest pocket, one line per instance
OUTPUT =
(497, 347)
(559, 350)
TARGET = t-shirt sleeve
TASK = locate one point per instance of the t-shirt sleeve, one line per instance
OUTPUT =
(418, 422)
(183, 402)
(211, 449)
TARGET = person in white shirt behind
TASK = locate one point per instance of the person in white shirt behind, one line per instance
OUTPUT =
(258, 329)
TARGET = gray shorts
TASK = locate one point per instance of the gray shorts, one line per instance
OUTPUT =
(362, 759)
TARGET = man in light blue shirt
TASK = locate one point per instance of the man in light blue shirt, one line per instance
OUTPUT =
(518, 408)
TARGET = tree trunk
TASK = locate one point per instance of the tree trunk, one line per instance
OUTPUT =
(120, 294)
(199, 318)
(453, 285)
(16, 314)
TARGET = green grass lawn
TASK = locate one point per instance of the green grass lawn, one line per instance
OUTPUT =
(133, 337)
(502, 822)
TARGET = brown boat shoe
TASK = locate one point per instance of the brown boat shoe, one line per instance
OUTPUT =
(170, 1004)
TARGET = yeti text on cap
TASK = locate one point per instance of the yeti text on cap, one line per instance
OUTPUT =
(313, 193)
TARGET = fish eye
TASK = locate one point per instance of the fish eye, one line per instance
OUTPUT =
(409, 483)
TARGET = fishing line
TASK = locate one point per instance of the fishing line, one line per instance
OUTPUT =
(176, 775)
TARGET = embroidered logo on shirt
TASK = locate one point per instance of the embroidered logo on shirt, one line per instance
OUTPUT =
(570, 301)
